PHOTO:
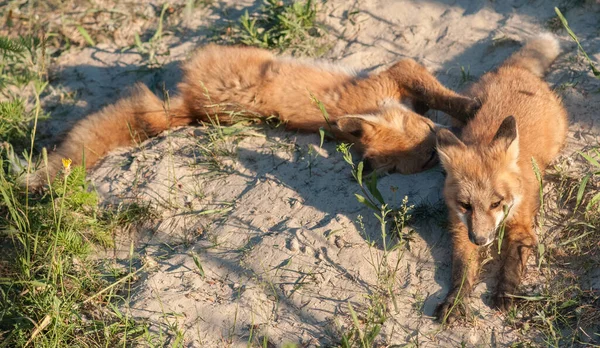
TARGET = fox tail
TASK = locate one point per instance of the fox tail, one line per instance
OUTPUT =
(537, 55)
(133, 119)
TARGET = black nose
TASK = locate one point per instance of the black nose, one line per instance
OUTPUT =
(477, 239)
(481, 241)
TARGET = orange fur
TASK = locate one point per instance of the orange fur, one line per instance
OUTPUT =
(490, 169)
(224, 81)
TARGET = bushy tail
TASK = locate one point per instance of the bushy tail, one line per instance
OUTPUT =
(537, 54)
(138, 117)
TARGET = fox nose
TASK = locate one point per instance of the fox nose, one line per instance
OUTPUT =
(479, 240)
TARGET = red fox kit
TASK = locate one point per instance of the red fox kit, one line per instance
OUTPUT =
(220, 80)
(490, 179)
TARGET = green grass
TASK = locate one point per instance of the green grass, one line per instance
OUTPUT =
(281, 25)
(22, 71)
(52, 292)
(395, 240)
(565, 24)
(565, 310)
(151, 49)
(73, 25)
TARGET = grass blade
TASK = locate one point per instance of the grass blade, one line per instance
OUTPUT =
(581, 191)
(366, 202)
(359, 172)
(595, 200)
(39, 328)
(590, 159)
(565, 24)
(356, 323)
(85, 35)
(159, 30)
(198, 264)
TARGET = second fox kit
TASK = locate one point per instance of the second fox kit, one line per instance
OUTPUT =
(220, 80)
(490, 179)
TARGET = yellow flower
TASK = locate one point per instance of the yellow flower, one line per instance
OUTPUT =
(66, 163)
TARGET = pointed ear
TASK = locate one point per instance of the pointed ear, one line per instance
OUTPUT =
(507, 138)
(446, 143)
(357, 125)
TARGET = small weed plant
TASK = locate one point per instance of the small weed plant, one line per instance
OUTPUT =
(386, 263)
(282, 25)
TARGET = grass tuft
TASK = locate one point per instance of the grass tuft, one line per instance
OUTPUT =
(282, 25)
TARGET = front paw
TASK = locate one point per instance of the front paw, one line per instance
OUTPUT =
(454, 307)
(471, 107)
(504, 299)
(503, 302)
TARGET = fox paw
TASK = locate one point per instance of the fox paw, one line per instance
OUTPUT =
(503, 301)
(451, 310)
(471, 107)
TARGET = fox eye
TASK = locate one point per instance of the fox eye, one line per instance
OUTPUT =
(495, 205)
(465, 206)
(432, 155)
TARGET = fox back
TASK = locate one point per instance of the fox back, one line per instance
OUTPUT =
(221, 80)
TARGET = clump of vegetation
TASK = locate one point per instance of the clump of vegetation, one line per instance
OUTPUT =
(77, 24)
(51, 291)
(386, 262)
(565, 24)
(565, 310)
(22, 64)
(152, 48)
(284, 26)
(372, 198)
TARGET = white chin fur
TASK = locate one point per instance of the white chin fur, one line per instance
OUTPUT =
(488, 242)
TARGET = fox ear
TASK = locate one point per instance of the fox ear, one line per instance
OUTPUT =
(357, 125)
(507, 137)
(446, 143)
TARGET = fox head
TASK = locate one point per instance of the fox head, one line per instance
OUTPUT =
(483, 184)
(393, 140)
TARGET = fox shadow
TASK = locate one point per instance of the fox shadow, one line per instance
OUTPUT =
(80, 90)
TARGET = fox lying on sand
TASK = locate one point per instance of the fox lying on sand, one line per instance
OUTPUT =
(490, 179)
(220, 80)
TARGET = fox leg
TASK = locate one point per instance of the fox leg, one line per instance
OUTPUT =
(465, 271)
(414, 79)
(521, 240)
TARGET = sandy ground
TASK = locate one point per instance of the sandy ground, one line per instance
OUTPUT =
(274, 220)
